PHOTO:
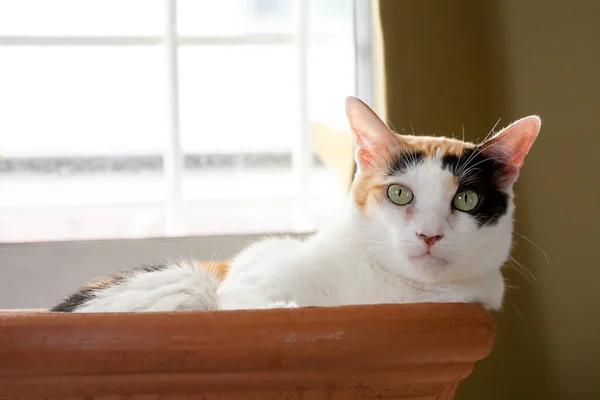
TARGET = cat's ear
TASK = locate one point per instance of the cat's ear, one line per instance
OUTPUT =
(371, 135)
(511, 145)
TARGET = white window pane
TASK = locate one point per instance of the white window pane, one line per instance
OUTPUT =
(235, 17)
(257, 200)
(41, 224)
(22, 189)
(96, 103)
(81, 105)
(242, 101)
(330, 16)
(238, 98)
(330, 80)
(81, 17)
(81, 101)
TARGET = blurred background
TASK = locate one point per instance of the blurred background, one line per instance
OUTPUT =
(141, 130)
(136, 118)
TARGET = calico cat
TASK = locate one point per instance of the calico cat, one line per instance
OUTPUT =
(428, 219)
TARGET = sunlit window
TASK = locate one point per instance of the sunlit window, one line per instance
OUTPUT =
(98, 95)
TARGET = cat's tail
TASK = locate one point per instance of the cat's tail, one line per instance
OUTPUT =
(179, 286)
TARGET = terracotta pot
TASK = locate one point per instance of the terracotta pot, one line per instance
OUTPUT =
(357, 352)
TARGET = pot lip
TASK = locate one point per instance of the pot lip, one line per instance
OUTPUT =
(428, 341)
(427, 305)
(422, 311)
(425, 325)
(433, 316)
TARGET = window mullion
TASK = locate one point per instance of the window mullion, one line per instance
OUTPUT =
(173, 157)
(302, 157)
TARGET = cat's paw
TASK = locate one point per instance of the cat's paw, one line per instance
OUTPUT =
(283, 304)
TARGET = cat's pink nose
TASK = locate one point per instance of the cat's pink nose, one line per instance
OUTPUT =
(429, 240)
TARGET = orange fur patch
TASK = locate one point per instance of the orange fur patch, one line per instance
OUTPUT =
(429, 145)
(102, 282)
(368, 185)
(365, 186)
(217, 268)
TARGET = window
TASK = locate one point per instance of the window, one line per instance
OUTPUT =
(150, 118)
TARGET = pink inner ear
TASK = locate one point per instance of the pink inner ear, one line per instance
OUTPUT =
(364, 157)
(513, 143)
(509, 175)
(371, 135)
(518, 158)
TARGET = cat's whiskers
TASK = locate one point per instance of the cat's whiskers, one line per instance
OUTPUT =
(463, 139)
(469, 180)
(534, 244)
(412, 160)
(509, 285)
(523, 270)
(508, 303)
(388, 122)
(471, 167)
(479, 148)
(491, 132)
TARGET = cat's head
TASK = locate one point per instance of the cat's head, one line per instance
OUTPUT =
(436, 209)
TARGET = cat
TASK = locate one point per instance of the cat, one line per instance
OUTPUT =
(428, 219)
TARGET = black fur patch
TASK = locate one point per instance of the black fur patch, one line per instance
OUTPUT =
(403, 161)
(75, 300)
(147, 268)
(483, 175)
(88, 292)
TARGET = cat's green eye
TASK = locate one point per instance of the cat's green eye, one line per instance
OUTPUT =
(400, 195)
(466, 200)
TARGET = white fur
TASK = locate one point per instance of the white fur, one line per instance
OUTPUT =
(177, 287)
(360, 260)
(466, 249)
(356, 260)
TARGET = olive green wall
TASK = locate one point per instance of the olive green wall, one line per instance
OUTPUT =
(449, 63)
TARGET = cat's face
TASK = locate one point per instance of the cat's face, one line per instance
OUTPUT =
(436, 209)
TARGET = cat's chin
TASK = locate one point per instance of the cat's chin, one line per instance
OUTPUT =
(428, 268)
(428, 260)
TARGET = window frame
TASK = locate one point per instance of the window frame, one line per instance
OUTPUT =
(34, 274)
(37, 274)
(302, 158)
